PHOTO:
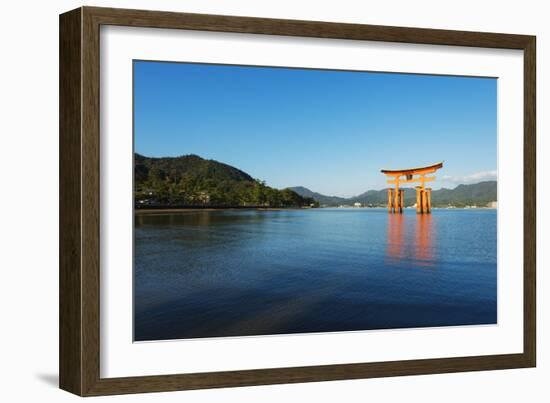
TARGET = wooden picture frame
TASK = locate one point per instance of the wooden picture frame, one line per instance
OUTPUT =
(79, 346)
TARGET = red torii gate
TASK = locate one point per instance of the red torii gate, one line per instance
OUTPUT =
(396, 196)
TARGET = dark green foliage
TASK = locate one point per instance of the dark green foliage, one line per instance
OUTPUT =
(190, 180)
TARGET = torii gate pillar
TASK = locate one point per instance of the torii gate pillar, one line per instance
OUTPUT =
(423, 200)
(396, 200)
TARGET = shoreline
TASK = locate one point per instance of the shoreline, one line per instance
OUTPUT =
(164, 210)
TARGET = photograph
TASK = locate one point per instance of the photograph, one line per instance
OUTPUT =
(276, 200)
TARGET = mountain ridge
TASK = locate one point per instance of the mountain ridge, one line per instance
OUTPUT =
(190, 180)
(480, 193)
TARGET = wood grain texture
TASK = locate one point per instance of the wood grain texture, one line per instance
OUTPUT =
(316, 29)
(70, 313)
(530, 203)
(79, 201)
(319, 373)
(90, 202)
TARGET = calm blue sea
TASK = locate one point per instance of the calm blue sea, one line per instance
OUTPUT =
(250, 272)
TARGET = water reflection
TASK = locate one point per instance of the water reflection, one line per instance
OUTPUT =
(423, 236)
(410, 237)
(246, 272)
(184, 218)
(395, 244)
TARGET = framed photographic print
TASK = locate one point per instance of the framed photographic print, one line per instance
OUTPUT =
(249, 201)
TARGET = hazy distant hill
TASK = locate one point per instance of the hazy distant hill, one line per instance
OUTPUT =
(463, 195)
(331, 200)
(190, 180)
(478, 193)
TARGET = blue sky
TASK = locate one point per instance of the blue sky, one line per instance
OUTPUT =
(330, 131)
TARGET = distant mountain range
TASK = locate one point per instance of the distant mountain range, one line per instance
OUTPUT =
(190, 180)
(479, 194)
(321, 198)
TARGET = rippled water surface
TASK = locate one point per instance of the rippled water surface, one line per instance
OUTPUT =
(250, 272)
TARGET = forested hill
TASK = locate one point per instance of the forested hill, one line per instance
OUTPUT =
(190, 180)
(187, 165)
(479, 194)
